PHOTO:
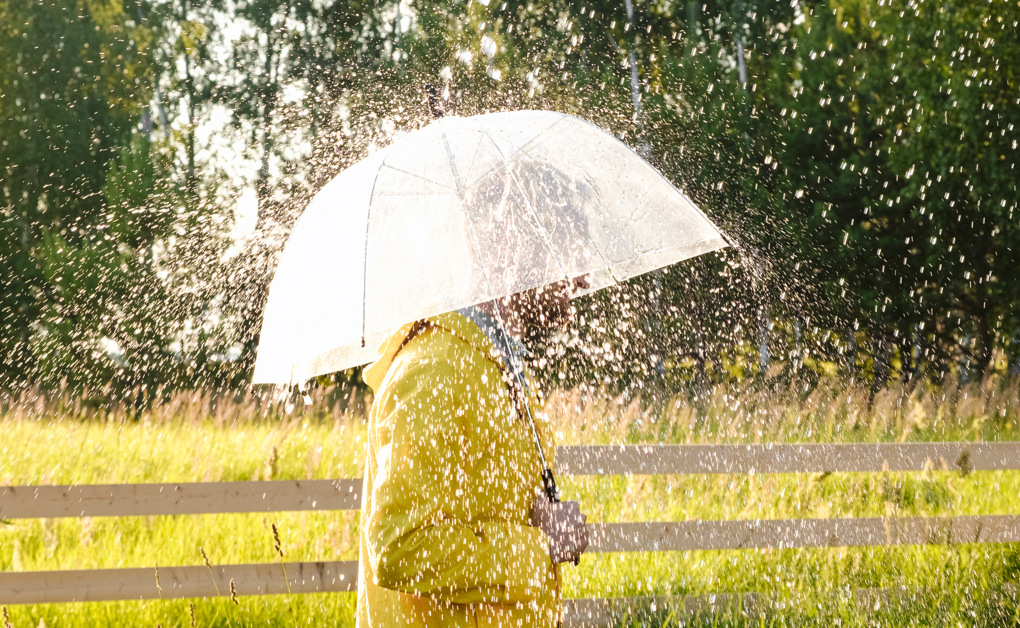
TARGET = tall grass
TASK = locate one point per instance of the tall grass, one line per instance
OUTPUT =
(196, 437)
(796, 411)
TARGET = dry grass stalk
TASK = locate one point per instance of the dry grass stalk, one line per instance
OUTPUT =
(331, 403)
(7, 619)
(271, 462)
(50, 537)
(830, 409)
(87, 531)
(233, 592)
(191, 611)
(279, 550)
(212, 576)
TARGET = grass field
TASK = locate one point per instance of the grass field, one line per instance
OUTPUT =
(56, 443)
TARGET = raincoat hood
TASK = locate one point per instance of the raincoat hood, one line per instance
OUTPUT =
(456, 324)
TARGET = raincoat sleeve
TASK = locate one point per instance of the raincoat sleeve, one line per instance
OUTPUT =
(420, 540)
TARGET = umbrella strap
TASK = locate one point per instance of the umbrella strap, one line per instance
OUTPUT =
(517, 396)
(417, 328)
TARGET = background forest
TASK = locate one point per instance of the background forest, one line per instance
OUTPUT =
(860, 153)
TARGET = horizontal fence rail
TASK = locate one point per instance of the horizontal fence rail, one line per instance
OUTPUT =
(682, 536)
(785, 458)
(267, 579)
(112, 500)
(200, 498)
(149, 583)
(607, 612)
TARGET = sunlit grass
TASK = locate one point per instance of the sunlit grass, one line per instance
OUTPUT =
(934, 585)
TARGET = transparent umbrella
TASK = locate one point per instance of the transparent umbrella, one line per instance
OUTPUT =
(461, 212)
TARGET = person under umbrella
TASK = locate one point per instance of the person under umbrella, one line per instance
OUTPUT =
(457, 528)
(458, 236)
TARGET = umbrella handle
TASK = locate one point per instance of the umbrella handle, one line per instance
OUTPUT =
(553, 493)
(549, 484)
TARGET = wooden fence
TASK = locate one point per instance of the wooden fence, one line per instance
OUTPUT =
(340, 576)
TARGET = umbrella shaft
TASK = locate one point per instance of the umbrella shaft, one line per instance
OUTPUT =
(548, 481)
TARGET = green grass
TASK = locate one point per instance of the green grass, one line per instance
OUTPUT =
(54, 443)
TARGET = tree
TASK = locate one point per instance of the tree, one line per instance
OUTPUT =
(72, 80)
(896, 185)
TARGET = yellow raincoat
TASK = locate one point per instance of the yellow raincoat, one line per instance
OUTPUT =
(449, 480)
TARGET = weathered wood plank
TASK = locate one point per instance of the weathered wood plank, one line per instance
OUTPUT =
(267, 579)
(785, 458)
(800, 533)
(292, 495)
(120, 500)
(95, 585)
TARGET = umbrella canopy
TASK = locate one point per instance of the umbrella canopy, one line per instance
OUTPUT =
(461, 212)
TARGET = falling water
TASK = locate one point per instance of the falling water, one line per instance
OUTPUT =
(859, 159)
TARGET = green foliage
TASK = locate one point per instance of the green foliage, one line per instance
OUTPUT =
(902, 217)
(57, 135)
(91, 210)
(860, 153)
(71, 76)
(129, 183)
(959, 115)
(870, 229)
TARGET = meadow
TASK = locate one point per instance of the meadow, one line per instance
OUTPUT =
(191, 438)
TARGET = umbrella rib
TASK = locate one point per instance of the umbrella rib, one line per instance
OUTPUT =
(669, 183)
(532, 140)
(453, 168)
(364, 273)
(481, 176)
(471, 164)
(522, 148)
(416, 176)
(531, 208)
(520, 187)
(605, 258)
(368, 226)
(470, 223)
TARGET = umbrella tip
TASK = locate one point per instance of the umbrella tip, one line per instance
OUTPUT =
(435, 104)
